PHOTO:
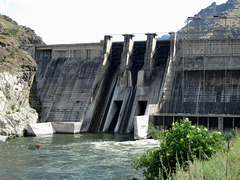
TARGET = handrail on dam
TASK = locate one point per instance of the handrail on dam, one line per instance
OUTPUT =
(139, 36)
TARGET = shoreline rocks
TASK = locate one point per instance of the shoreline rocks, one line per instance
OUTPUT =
(3, 138)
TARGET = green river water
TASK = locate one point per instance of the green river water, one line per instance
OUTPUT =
(65, 156)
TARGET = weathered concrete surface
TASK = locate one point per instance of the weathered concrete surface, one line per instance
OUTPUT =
(133, 91)
(103, 86)
(149, 61)
(67, 127)
(141, 127)
(40, 129)
(202, 84)
(65, 78)
(206, 75)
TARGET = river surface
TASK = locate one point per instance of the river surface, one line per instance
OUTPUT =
(79, 156)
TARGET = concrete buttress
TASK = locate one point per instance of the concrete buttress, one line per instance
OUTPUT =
(126, 61)
(149, 62)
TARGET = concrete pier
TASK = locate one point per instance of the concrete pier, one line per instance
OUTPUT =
(149, 61)
(126, 61)
(48, 128)
(40, 129)
(67, 127)
(141, 127)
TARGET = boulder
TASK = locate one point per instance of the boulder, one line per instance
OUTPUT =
(3, 138)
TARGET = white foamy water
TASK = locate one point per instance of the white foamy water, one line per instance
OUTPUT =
(80, 156)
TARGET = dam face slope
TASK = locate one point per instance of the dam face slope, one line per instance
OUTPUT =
(64, 79)
(102, 85)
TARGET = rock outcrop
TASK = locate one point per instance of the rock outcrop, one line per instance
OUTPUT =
(15, 112)
(216, 21)
(17, 70)
(22, 34)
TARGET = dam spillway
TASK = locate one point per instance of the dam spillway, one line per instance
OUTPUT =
(125, 95)
(105, 85)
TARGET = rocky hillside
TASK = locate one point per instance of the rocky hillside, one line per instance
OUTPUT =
(22, 34)
(17, 70)
(223, 19)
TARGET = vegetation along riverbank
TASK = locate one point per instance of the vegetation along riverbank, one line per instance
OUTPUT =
(190, 152)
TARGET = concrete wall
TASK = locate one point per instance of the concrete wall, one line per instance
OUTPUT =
(206, 79)
(211, 54)
(105, 85)
(101, 85)
(65, 79)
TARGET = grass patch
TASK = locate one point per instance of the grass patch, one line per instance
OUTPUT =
(218, 156)
(13, 107)
(12, 28)
(220, 166)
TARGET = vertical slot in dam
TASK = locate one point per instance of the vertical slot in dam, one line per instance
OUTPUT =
(118, 106)
(141, 107)
(137, 64)
(104, 99)
(106, 90)
(128, 108)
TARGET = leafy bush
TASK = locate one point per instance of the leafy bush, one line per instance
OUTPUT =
(219, 166)
(178, 146)
(13, 107)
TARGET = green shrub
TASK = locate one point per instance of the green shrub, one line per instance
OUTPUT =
(11, 54)
(219, 166)
(178, 146)
(13, 107)
(18, 110)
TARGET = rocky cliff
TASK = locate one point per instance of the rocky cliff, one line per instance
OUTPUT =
(217, 20)
(17, 70)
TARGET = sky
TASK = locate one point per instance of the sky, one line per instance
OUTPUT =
(85, 21)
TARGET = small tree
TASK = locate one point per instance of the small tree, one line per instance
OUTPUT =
(178, 145)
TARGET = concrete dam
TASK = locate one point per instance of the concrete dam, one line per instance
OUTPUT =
(107, 85)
